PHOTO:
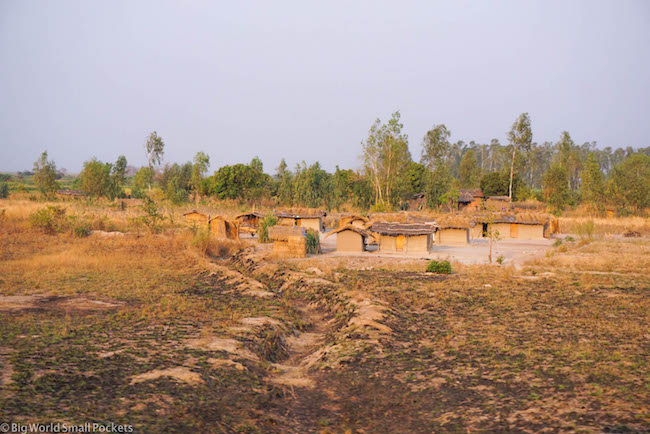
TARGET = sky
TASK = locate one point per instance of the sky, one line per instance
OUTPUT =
(305, 80)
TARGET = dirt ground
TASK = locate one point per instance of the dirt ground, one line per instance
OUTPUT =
(148, 331)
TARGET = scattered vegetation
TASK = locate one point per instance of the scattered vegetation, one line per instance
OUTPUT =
(439, 267)
(313, 241)
(265, 224)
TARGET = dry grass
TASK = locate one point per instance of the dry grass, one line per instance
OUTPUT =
(606, 226)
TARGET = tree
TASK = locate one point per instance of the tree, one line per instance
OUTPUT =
(256, 164)
(142, 180)
(386, 157)
(284, 183)
(556, 187)
(311, 185)
(417, 179)
(520, 136)
(45, 175)
(199, 169)
(435, 146)
(95, 179)
(118, 176)
(630, 182)
(469, 171)
(239, 181)
(569, 157)
(593, 183)
(155, 149)
(498, 184)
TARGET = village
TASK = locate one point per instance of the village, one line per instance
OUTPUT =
(465, 235)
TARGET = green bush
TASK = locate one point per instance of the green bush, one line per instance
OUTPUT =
(265, 224)
(152, 218)
(4, 190)
(586, 229)
(81, 230)
(569, 239)
(313, 241)
(439, 267)
(557, 243)
(49, 220)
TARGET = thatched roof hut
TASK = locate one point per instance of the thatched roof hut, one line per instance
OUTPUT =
(249, 222)
(523, 226)
(403, 237)
(303, 217)
(354, 220)
(350, 238)
(194, 217)
(223, 228)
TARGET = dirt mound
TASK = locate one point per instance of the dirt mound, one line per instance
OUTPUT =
(179, 373)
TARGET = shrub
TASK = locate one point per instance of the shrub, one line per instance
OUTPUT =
(500, 260)
(313, 241)
(265, 224)
(81, 230)
(557, 243)
(439, 267)
(201, 240)
(49, 220)
(4, 190)
(569, 239)
(586, 229)
(152, 218)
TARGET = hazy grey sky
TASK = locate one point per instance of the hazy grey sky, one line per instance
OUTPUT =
(304, 80)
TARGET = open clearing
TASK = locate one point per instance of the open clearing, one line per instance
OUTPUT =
(143, 330)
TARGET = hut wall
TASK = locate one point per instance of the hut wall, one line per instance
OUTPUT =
(314, 224)
(387, 243)
(295, 247)
(476, 231)
(358, 223)
(503, 228)
(286, 221)
(349, 241)
(218, 228)
(531, 232)
(418, 243)
(453, 237)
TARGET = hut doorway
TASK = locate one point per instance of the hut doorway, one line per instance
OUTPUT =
(400, 240)
(485, 230)
(514, 230)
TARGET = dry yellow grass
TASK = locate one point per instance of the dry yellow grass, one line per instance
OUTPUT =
(606, 226)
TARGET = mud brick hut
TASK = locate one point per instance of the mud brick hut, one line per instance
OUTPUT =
(471, 199)
(288, 241)
(305, 218)
(403, 237)
(350, 238)
(516, 226)
(453, 231)
(354, 220)
(223, 228)
(196, 218)
(249, 222)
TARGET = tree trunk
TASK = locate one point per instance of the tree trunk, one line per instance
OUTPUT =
(512, 170)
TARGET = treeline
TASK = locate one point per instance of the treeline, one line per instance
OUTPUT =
(562, 174)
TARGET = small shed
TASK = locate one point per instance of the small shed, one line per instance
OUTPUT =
(308, 219)
(470, 199)
(288, 241)
(249, 222)
(403, 237)
(196, 218)
(223, 228)
(350, 238)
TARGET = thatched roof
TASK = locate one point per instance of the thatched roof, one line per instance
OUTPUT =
(468, 195)
(409, 229)
(364, 233)
(193, 212)
(301, 213)
(344, 220)
(250, 214)
(521, 218)
(285, 233)
(454, 222)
